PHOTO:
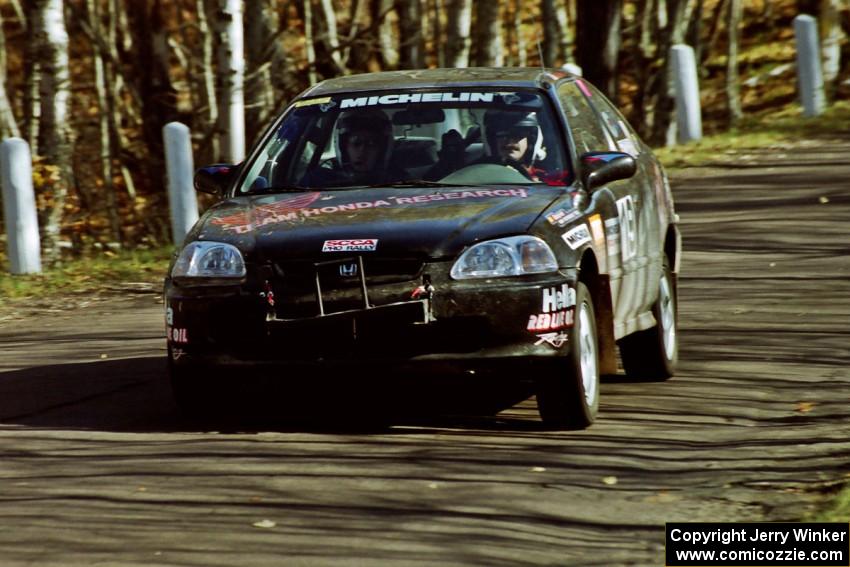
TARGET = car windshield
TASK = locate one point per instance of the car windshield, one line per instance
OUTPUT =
(448, 137)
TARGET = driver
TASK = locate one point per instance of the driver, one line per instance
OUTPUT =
(515, 139)
(363, 143)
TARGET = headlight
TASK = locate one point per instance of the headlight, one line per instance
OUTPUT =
(512, 256)
(209, 263)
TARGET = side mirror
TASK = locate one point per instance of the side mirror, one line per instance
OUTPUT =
(600, 168)
(214, 179)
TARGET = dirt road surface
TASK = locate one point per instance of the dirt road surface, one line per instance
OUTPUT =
(97, 467)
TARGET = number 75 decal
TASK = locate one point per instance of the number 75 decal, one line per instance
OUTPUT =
(628, 227)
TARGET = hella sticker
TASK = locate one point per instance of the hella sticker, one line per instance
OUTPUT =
(351, 245)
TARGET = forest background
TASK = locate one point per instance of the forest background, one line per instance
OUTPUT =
(89, 84)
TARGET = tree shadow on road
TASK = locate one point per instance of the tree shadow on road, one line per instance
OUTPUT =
(133, 395)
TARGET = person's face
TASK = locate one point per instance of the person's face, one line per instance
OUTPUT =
(363, 149)
(512, 144)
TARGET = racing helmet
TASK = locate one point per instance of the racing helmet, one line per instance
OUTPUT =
(369, 120)
(499, 121)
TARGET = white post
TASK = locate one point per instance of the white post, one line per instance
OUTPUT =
(19, 212)
(180, 169)
(809, 74)
(688, 113)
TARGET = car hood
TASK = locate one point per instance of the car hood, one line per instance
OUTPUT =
(405, 222)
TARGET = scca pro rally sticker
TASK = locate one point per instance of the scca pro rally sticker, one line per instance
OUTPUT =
(351, 245)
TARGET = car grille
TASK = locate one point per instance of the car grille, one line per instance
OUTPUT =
(312, 288)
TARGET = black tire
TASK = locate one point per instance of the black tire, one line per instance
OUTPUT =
(652, 355)
(568, 395)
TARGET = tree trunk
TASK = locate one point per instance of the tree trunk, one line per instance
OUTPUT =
(389, 53)
(552, 56)
(458, 27)
(231, 71)
(261, 45)
(521, 48)
(412, 44)
(101, 88)
(309, 47)
(55, 138)
(598, 43)
(357, 53)
(733, 90)
(565, 32)
(158, 95)
(210, 149)
(32, 86)
(664, 119)
(489, 50)
(331, 36)
(437, 32)
(8, 124)
(832, 37)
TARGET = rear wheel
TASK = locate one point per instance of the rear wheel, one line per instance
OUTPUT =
(568, 397)
(652, 354)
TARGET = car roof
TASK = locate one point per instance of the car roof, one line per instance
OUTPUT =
(512, 77)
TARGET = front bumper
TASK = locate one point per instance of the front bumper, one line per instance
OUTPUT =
(464, 321)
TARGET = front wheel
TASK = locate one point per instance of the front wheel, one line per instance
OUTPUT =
(568, 397)
(652, 354)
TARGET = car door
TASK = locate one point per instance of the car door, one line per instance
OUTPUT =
(620, 204)
(651, 187)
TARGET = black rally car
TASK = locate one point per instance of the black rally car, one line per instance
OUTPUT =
(506, 219)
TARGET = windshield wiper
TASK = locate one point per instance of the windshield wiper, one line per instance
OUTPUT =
(280, 189)
(416, 183)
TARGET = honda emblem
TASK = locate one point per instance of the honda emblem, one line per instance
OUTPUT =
(348, 270)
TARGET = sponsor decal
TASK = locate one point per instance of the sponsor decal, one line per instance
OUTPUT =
(169, 316)
(177, 335)
(561, 217)
(557, 306)
(312, 101)
(411, 98)
(550, 321)
(510, 98)
(557, 340)
(555, 299)
(597, 230)
(351, 245)
(576, 237)
(628, 227)
(177, 353)
(296, 208)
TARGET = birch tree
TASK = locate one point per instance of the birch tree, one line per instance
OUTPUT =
(231, 70)
(458, 27)
(488, 34)
(832, 36)
(55, 139)
(382, 10)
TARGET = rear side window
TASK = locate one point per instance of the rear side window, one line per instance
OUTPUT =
(625, 137)
(588, 134)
